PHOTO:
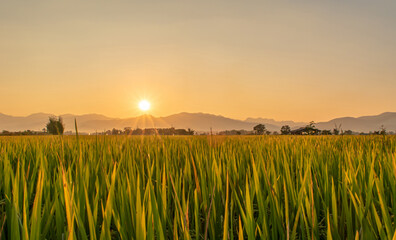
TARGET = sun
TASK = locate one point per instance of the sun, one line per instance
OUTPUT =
(144, 105)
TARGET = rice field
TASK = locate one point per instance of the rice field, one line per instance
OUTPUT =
(198, 187)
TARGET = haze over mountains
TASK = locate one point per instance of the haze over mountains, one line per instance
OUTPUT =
(197, 121)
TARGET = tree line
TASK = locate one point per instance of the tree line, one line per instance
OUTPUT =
(148, 131)
(311, 129)
(55, 126)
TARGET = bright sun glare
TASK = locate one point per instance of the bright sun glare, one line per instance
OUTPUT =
(144, 105)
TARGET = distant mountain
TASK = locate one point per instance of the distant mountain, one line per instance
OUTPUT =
(197, 121)
(276, 123)
(35, 121)
(95, 122)
(38, 121)
(362, 124)
(203, 122)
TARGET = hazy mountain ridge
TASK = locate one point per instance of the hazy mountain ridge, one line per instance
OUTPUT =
(96, 122)
(292, 124)
(362, 124)
(196, 121)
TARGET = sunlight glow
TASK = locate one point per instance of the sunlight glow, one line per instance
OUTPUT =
(144, 105)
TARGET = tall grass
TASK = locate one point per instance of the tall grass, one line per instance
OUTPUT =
(268, 187)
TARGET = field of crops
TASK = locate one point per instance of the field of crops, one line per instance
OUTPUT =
(253, 187)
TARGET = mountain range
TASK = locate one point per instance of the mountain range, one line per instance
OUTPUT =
(201, 122)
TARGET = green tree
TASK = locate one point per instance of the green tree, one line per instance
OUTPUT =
(311, 128)
(337, 129)
(326, 132)
(285, 130)
(190, 131)
(55, 126)
(383, 130)
(259, 129)
(348, 132)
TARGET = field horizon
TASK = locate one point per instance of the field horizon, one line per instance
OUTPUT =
(201, 122)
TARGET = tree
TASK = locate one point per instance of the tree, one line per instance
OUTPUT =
(326, 132)
(137, 131)
(116, 132)
(311, 128)
(55, 126)
(128, 130)
(383, 130)
(285, 130)
(259, 129)
(348, 132)
(337, 129)
(190, 131)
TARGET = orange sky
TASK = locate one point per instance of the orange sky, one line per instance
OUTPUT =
(301, 60)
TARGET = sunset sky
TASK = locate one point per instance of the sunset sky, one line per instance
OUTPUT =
(287, 60)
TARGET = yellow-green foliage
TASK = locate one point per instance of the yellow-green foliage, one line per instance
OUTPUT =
(253, 187)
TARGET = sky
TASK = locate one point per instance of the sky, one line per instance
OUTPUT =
(287, 60)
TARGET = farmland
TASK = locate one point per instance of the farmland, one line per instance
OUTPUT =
(206, 187)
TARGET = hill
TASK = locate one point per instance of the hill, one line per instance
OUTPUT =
(279, 124)
(95, 122)
(197, 121)
(362, 124)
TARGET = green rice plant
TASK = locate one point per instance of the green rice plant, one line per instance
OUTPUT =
(198, 187)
